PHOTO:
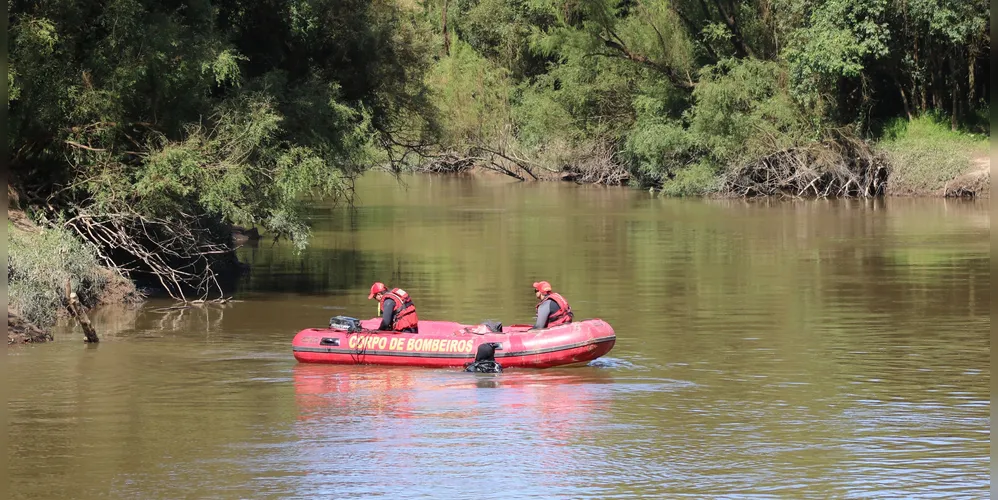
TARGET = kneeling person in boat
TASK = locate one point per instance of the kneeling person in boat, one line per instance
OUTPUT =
(398, 314)
(552, 310)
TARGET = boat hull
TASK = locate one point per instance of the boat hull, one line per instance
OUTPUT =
(449, 344)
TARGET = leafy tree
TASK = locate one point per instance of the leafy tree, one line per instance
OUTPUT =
(671, 85)
(145, 125)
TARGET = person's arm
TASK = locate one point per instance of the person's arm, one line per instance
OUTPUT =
(386, 315)
(543, 312)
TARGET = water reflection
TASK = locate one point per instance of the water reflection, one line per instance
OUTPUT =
(385, 422)
(155, 318)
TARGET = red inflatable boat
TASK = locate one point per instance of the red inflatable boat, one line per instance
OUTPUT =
(450, 344)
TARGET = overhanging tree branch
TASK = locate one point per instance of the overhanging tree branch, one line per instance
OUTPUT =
(623, 52)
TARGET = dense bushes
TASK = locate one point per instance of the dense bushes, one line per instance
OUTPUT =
(686, 94)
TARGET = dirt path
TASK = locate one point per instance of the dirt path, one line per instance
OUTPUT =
(983, 164)
(976, 183)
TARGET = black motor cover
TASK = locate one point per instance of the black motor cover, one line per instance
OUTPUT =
(345, 323)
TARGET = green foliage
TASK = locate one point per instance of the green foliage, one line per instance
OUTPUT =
(744, 110)
(698, 180)
(543, 117)
(472, 93)
(38, 266)
(710, 86)
(957, 21)
(501, 31)
(223, 110)
(837, 40)
(660, 147)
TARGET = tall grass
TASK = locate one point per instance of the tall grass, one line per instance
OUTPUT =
(925, 154)
(38, 264)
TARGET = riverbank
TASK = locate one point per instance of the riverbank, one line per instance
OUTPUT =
(920, 159)
(42, 263)
(927, 158)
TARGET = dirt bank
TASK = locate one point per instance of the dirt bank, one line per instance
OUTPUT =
(20, 331)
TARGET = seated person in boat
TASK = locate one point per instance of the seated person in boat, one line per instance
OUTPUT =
(552, 310)
(398, 314)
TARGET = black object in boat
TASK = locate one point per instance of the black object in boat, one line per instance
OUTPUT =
(345, 323)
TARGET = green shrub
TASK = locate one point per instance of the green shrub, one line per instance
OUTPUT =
(698, 179)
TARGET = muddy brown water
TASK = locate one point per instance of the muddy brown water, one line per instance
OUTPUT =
(818, 349)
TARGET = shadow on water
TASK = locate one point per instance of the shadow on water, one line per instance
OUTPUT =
(323, 271)
(320, 271)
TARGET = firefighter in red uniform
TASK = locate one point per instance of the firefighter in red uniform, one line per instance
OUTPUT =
(398, 314)
(552, 310)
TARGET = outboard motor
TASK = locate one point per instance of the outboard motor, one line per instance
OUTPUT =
(485, 359)
(351, 325)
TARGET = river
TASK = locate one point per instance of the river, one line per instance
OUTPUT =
(805, 349)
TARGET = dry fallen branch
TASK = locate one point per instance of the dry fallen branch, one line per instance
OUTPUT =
(842, 168)
(598, 166)
(84, 146)
(196, 303)
(179, 253)
(449, 163)
(500, 157)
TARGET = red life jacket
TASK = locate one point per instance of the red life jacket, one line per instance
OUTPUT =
(404, 313)
(564, 313)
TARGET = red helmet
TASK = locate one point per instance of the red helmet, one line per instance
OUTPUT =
(377, 287)
(542, 286)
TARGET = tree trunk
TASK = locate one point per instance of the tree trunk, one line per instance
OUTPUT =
(444, 28)
(77, 311)
(918, 83)
(937, 98)
(954, 95)
(971, 84)
(742, 50)
(904, 98)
